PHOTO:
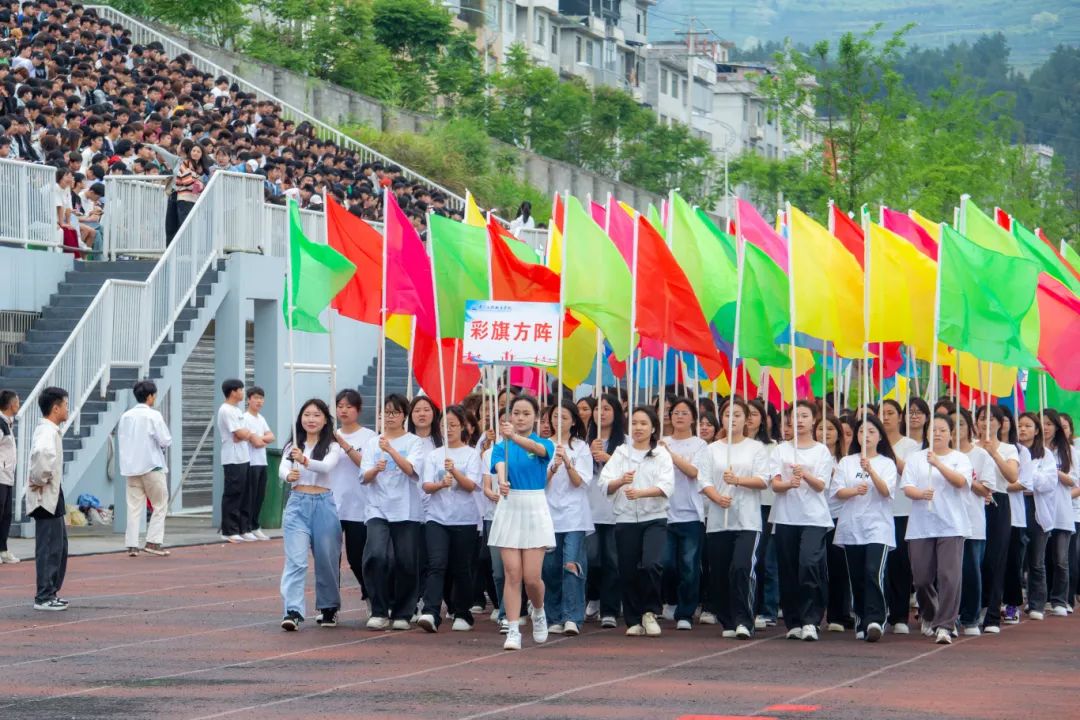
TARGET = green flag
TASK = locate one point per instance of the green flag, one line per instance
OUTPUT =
(1061, 400)
(461, 270)
(701, 255)
(656, 221)
(522, 250)
(319, 272)
(596, 280)
(1035, 249)
(765, 309)
(1070, 256)
(981, 229)
(985, 299)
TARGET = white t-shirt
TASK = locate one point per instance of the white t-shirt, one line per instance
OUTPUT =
(453, 505)
(901, 503)
(749, 458)
(998, 483)
(230, 418)
(865, 519)
(802, 505)
(392, 494)
(1053, 502)
(258, 426)
(350, 493)
(685, 503)
(569, 505)
(601, 505)
(982, 466)
(1027, 483)
(767, 495)
(946, 515)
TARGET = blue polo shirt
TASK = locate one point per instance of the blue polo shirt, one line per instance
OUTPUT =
(525, 470)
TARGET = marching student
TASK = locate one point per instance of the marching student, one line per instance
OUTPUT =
(707, 427)
(999, 519)
(733, 479)
(389, 469)
(898, 582)
(425, 422)
(235, 461)
(488, 503)
(450, 475)
(640, 478)
(982, 465)
(569, 475)
(350, 494)
(938, 482)
(685, 518)
(522, 527)
(602, 587)
(864, 483)
(9, 408)
(45, 499)
(760, 427)
(1050, 524)
(829, 432)
(310, 519)
(142, 437)
(261, 438)
(586, 410)
(801, 470)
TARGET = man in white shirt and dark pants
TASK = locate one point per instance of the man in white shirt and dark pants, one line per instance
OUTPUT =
(45, 499)
(9, 408)
(235, 461)
(260, 439)
(143, 437)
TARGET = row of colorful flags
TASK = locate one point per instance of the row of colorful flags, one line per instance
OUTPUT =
(983, 297)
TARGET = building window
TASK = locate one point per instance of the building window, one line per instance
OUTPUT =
(663, 82)
(554, 38)
(684, 88)
(639, 24)
(579, 53)
(541, 30)
(589, 45)
(674, 87)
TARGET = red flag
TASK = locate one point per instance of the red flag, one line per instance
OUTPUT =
(1003, 218)
(425, 367)
(1057, 252)
(1059, 333)
(667, 308)
(361, 299)
(409, 287)
(911, 231)
(848, 232)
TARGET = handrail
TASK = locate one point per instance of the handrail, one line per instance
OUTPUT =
(341, 138)
(27, 210)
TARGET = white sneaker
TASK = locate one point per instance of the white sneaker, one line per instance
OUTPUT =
(260, 535)
(759, 623)
(652, 628)
(1058, 611)
(992, 630)
(742, 632)
(1036, 615)
(540, 626)
(249, 537)
(513, 638)
(707, 618)
(635, 630)
(427, 622)
(873, 632)
(794, 634)
(683, 625)
(504, 626)
(571, 628)
(836, 627)
(461, 625)
(400, 625)
(972, 630)
(860, 635)
(608, 622)
(669, 612)
(809, 633)
(476, 609)
(901, 629)
(53, 605)
(927, 629)
(8, 558)
(728, 634)
(378, 623)
(235, 539)
(943, 637)
(592, 611)
(555, 629)
(495, 615)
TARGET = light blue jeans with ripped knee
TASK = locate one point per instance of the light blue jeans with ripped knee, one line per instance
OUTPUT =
(564, 576)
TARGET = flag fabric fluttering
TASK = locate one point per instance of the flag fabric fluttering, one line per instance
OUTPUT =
(319, 272)
(473, 215)
(1059, 336)
(1071, 256)
(915, 233)
(1048, 259)
(755, 230)
(847, 231)
(901, 292)
(765, 309)
(361, 298)
(408, 270)
(461, 274)
(712, 274)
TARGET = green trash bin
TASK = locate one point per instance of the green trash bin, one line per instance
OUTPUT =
(277, 492)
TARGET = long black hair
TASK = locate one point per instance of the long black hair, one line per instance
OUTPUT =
(462, 416)
(838, 454)
(1011, 436)
(970, 426)
(884, 447)
(689, 403)
(326, 435)
(654, 437)
(617, 435)
(763, 434)
(1037, 448)
(917, 403)
(577, 428)
(998, 414)
(1062, 448)
(436, 419)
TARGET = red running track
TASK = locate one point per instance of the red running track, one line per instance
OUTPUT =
(196, 635)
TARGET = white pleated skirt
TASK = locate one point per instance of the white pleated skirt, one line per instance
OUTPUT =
(522, 521)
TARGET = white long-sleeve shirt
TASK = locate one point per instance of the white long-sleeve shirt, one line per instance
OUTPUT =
(142, 436)
(655, 470)
(317, 472)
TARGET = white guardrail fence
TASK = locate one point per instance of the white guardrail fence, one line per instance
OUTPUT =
(28, 205)
(134, 219)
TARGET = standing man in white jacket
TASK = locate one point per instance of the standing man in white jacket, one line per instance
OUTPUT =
(9, 407)
(143, 437)
(45, 499)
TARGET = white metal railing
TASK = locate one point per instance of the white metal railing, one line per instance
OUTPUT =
(134, 219)
(28, 205)
(127, 320)
(142, 34)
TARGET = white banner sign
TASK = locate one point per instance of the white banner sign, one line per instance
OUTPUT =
(511, 333)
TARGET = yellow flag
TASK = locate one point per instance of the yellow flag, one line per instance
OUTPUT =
(899, 393)
(473, 216)
(931, 227)
(399, 329)
(996, 379)
(579, 354)
(828, 286)
(901, 295)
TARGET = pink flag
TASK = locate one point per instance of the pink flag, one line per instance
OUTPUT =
(910, 230)
(409, 287)
(754, 229)
(598, 213)
(530, 378)
(621, 231)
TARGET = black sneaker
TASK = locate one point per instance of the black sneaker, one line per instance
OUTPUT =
(327, 618)
(292, 621)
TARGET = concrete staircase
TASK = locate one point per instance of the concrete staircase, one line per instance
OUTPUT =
(397, 380)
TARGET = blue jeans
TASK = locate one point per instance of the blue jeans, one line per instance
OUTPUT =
(311, 522)
(496, 570)
(971, 592)
(682, 567)
(564, 574)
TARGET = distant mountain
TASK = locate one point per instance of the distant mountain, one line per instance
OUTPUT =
(1032, 27)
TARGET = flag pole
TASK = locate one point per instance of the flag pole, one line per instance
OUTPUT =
(291, 314)
(380, 375)
(791, 340)
(867, 239)
(562, 314)
(438, 331)
(412, 344)
(932, 381)
(633, 317)
(330, 311)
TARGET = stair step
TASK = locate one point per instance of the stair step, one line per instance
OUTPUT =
(26, 373)
(38, 360)
(66, 324)
(59, 336)
(71, 301)
(72, 444)
(49, 348)
(144, 266)
(52, 313)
